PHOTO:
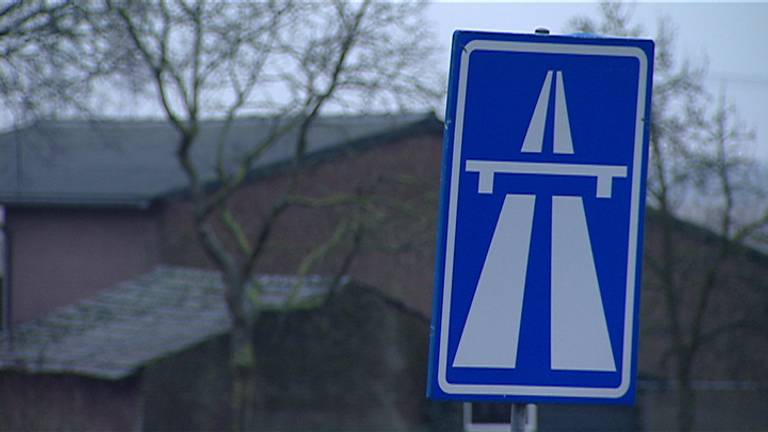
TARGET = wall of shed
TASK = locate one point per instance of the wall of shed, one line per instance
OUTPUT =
(736, 316)
(717, 409)
(59, 256)
(354, 364)
(68, 403)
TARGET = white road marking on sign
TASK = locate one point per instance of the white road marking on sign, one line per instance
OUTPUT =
(563, 142)
(498, 300)
(489, 168)
(534, 137)
(579, 331)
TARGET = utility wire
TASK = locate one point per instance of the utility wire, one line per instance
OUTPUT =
(754, 80)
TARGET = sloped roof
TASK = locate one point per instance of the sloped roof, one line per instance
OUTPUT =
(129, 163)
(112, 335)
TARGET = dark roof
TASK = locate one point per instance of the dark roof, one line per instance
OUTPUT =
(112, 335)
(130, 163)
(757, 251)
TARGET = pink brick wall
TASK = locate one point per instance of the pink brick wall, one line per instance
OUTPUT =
(61, 256)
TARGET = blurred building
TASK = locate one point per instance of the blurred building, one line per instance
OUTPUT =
(117, 321)
(114, 318)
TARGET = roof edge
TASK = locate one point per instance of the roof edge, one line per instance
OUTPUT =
(706, 234)
(76, 202)
(428, 123)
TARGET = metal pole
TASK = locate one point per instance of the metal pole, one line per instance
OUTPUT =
(517, 418)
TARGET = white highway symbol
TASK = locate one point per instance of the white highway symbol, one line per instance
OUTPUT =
(579, 333)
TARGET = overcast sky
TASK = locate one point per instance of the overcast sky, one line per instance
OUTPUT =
(731, 37)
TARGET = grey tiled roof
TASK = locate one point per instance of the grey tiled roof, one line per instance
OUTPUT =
(129, 162)
(153, 315)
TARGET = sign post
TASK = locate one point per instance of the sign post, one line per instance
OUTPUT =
(518, 418)
(540, 242)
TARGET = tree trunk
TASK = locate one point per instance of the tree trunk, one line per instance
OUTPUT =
(242, 357)
(242, 363)
(686, 402)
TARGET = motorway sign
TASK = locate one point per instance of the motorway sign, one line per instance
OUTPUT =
(540, 244)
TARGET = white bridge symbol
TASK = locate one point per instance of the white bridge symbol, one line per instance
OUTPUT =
(579, 333)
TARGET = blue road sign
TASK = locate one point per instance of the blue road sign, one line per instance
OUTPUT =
(538, 270)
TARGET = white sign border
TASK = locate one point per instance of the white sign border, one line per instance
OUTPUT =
(533, 390)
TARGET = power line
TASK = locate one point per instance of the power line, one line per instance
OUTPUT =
(754, 80)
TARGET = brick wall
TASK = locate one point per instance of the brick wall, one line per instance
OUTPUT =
(400, 179)
(60, 256)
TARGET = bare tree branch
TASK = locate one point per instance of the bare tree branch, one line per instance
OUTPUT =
(47, 62)
(693, 153)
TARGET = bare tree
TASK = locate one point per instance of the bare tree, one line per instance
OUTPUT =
(289, 60)
(46, 60)
(694, 157)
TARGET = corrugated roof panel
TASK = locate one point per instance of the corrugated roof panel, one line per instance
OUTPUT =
(113, 334)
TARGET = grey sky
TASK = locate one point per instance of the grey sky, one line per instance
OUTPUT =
(730, 37)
